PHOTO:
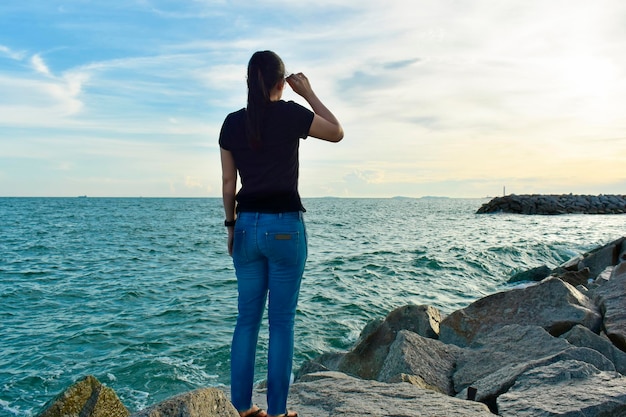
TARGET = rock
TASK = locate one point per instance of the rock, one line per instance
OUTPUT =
(366, 359)
(203, 402)
(413, 380)
(430, 360)
(534, 274)
(86, 398)
(621, 257)
(340, 395)
(325, 362)
(489, 388)
(505, 346)
(583, 337)
(551, 304)
(492, 365)
(571, 265)
(604, 276)
(567, 388)
(369, 328)
(575, 278)
(590, 269)
(515, 347)
(611, 297)
(600, 258)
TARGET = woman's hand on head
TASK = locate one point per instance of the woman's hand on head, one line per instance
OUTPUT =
(300, 84)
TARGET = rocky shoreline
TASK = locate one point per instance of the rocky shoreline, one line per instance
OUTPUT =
(551, 204)
(554, 345)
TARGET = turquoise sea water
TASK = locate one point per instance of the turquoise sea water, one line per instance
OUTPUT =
(141, 293)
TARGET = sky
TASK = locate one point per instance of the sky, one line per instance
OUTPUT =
(456, 98)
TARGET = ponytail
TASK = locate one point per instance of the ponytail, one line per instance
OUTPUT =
(265, 69)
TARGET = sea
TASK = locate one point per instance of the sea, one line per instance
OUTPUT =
(141, 292)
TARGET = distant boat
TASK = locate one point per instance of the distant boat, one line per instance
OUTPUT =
(82, 196)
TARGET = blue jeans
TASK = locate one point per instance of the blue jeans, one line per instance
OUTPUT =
(269, 253)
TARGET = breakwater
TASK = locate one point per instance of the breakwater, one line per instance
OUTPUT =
(551, 204)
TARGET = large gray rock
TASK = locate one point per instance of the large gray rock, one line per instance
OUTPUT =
(86, 398)
(611, 297)
(565, 389)
(339, 395)
(583, 337)
(489, 388)
(511, 350)
(430, 360)
(598, 259)
(366, 359)
(552, 304)
(203, 402)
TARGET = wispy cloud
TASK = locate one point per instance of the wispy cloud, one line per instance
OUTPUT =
(8, 52)
(39, 65)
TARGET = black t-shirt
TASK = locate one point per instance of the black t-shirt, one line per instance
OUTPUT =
(269, 172)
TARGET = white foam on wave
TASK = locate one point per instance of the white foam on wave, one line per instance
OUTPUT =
(14, 411)
(188, 371)
(134, 399)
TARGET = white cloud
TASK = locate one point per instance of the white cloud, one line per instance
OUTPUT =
(193, 182)
(39, 65)
(17, 56)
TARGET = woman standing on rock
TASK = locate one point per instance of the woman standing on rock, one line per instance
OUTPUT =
(266, 233)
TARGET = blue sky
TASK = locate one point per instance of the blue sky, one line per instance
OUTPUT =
(454, 98)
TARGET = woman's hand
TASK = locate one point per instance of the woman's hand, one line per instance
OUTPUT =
(300, 84)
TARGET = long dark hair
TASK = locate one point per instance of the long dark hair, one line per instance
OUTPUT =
(265, 69)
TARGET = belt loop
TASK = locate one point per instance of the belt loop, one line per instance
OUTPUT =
(280, 216)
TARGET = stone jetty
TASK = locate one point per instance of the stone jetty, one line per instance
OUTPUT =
(556, 204)
(552, 344)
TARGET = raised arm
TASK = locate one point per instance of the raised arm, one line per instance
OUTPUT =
(325, 125)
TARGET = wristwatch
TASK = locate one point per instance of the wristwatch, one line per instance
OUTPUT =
(230, 223)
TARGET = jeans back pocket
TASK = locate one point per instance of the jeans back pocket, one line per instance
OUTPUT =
(285, 248)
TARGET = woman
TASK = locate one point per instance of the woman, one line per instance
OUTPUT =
(268, 239)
